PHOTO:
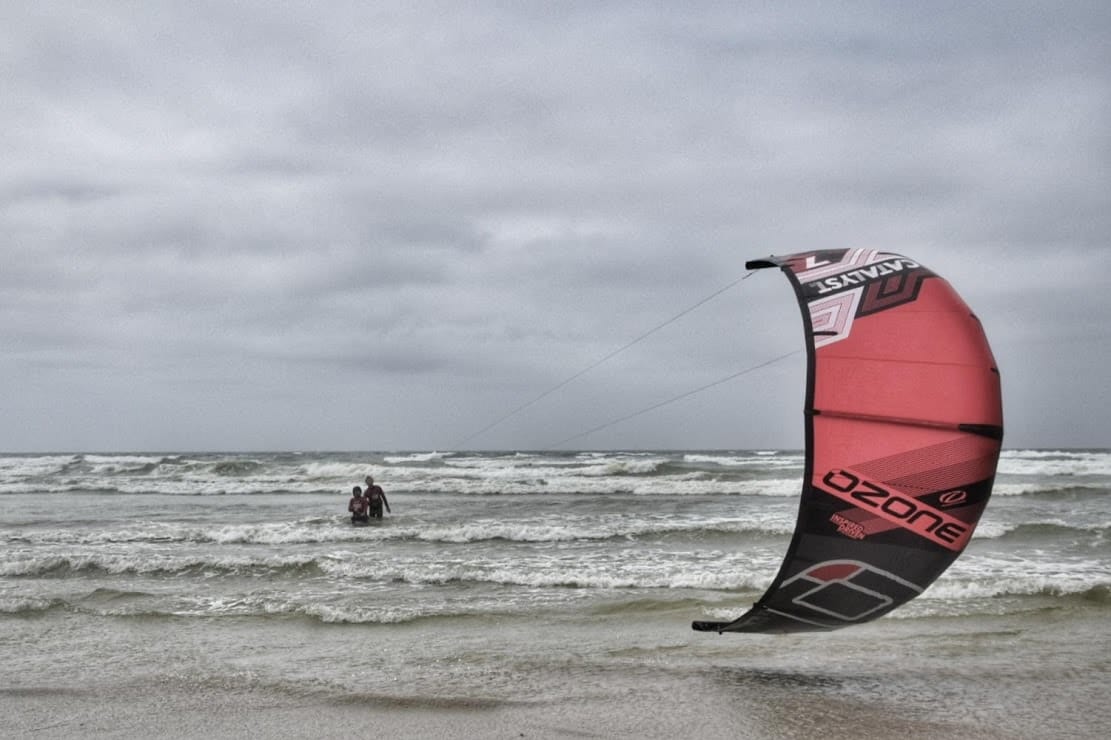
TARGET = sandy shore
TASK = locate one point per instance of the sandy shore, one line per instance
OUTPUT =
(195, 712)
(138, 713)
(1043, 677)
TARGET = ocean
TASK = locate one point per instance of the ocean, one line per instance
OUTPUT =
(555, 588)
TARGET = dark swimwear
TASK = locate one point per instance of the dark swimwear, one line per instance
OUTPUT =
(358, 508)
(376, 497)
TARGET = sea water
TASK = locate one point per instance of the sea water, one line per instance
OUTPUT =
(568, 578)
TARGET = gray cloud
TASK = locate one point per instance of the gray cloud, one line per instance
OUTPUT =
(252, 225)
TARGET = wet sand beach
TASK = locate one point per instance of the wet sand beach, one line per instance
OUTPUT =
(650, 712)
(999, 678)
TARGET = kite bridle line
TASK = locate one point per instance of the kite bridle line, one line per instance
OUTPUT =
(673, 399)
(610, 356)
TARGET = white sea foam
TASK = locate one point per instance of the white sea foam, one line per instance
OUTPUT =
(760, 460)
(32, 466)
(565, 528)
(594, 482)
(1067, 463)
(647, 570)
(16, 604)
(1048, 484)
(710, 473)
(145, 561)
(337, 471)
(1055, 584)
(978, 575)
(110, 464)
(596, 528)
(990, 530)
(418, 457)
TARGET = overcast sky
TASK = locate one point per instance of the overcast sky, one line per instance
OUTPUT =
(385, 225)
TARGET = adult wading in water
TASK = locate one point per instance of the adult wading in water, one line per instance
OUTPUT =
(376, 497)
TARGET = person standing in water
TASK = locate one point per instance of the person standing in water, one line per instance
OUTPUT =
(376, 497)
(359, 506)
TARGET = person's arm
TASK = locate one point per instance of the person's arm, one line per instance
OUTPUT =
(385, 502)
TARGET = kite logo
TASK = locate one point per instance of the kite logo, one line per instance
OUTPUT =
(904, 511)
(861, 276)
(952, 498)
(847, 591)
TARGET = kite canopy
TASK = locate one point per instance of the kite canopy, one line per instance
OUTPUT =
(904, 424)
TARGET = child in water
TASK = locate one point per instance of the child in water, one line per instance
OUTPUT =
(358, 506)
